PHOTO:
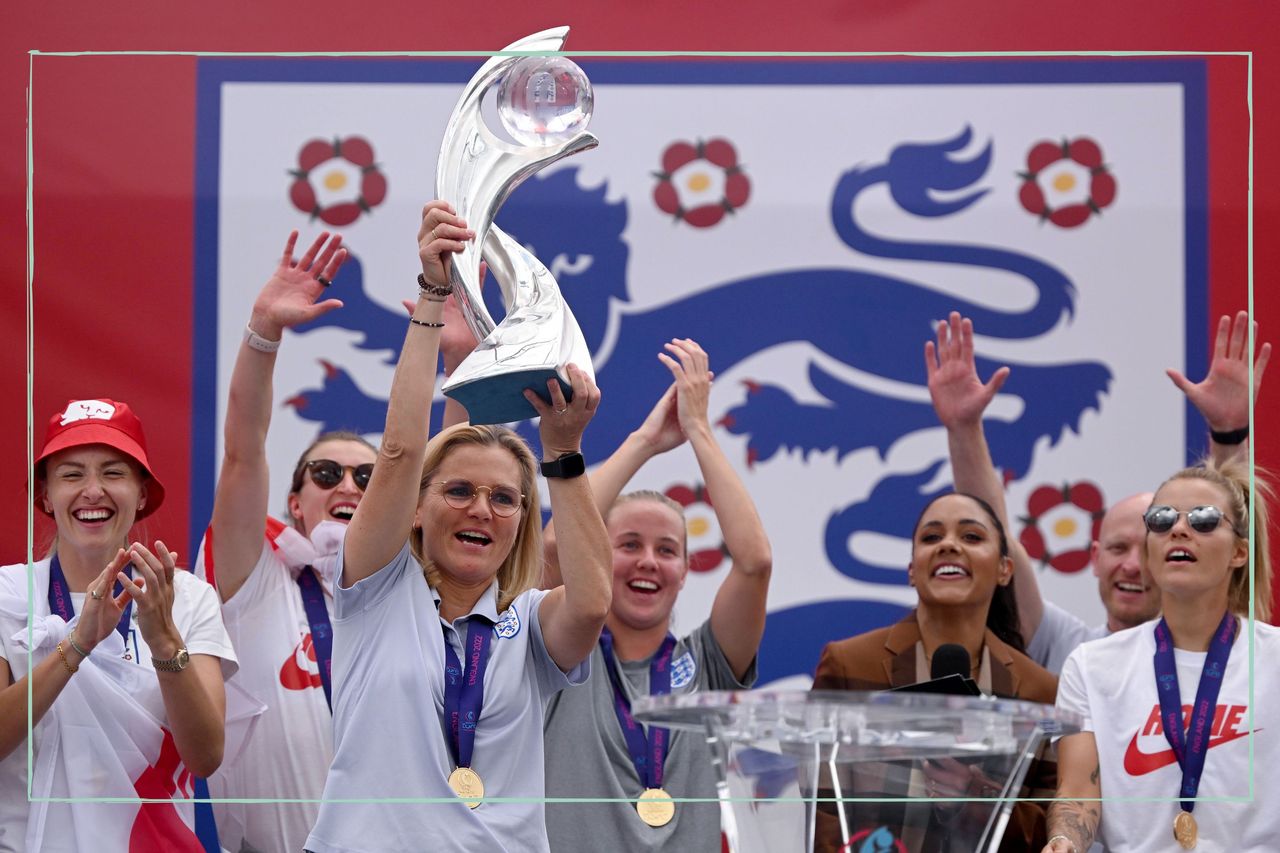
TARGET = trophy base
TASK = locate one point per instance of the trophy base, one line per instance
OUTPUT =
(499, 399)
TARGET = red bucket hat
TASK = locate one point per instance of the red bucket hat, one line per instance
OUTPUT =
(106, 422)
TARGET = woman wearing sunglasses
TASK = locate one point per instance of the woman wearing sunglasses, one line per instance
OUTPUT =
(276, 589)
(594, 749)
(1167, 706)
(444, 653)
(124, 658)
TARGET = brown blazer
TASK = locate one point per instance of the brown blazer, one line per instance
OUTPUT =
(886, 658)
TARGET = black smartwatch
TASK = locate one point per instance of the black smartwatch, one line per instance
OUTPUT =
(568, 466)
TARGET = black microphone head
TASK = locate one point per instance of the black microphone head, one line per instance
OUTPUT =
(949, 659)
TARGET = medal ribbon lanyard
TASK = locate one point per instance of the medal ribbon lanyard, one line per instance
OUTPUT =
(1190, 748)
(321, 629)
(464, 688)
(648, 754)
(60, 597)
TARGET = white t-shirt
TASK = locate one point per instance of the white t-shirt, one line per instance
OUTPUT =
(1111, 683)
(287, 752)
(389, 730)
(1058, 635)
(105, 735)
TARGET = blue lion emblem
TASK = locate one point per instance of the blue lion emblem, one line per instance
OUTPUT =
(683, 669)
(508, 624)
(883, 320)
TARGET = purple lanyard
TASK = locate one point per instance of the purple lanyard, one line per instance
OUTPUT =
(647, 754)
(464, 690)
(60, 597)
(1190, 748)
(321, 630)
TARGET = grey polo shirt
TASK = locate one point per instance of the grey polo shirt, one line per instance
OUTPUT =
(587, 757)
(388, 721)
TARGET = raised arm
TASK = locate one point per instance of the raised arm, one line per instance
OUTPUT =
(289, 298)
(1073, 821)
(959, 399)
(738, 614)
(659, 433)
(385, 516)
(1223, 397)
(572, 614)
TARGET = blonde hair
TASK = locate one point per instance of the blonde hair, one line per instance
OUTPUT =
(522, 567)
(658, 498)
(1232, 477)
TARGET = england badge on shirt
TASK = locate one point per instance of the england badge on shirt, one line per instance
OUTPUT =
(682, 671)
(508, 624)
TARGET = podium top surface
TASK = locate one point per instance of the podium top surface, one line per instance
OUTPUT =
(868, 721)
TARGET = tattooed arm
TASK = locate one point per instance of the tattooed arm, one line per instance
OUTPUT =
(1074, 816)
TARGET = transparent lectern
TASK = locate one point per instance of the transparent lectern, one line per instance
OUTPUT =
(863, 772)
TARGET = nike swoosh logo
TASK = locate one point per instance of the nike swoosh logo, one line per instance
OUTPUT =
(1139, 763)
(292, 674)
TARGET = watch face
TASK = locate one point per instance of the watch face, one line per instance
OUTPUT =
(183, 658)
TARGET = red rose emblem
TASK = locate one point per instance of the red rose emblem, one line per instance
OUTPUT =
(700, 183)
(706, 544)
(1066, 182)
(337, 181)
(1061, 524)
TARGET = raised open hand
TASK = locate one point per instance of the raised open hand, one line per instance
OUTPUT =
(692, 375)
(1222, 397)
(661, 430)
(959, 396)
(289, 297)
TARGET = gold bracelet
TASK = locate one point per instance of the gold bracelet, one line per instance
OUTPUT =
(70, 669)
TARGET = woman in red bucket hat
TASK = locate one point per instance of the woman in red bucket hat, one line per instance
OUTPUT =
(122, 655)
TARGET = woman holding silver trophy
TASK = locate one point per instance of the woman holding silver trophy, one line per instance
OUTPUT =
(444, 651)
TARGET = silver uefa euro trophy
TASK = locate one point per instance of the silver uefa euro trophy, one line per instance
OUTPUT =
(544, 103)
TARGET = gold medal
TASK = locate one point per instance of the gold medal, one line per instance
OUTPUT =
(1184, 830)
(655, 807)
(466, 783)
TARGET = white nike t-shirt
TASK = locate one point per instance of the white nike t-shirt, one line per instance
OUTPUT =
(1111, 683)
(287, 752)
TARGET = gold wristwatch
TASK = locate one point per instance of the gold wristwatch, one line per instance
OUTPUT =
(177, 663)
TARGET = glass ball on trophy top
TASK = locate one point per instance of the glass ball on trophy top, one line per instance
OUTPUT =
(545, 100)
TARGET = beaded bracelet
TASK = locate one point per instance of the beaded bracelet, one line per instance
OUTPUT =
(428, 290)
(425, 323)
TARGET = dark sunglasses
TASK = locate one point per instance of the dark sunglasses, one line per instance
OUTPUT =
(327, 474)
(1202, 519)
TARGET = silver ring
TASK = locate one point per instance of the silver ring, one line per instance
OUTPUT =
(324, 282)
(560, 411)
(97, 596)
(433, 233)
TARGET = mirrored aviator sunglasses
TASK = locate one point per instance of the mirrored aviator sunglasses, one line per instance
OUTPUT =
(327, 474)
(1201, 519)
